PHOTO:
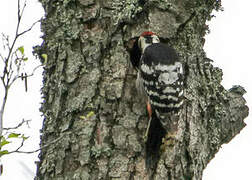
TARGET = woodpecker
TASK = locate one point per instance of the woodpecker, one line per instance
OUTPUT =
(160, 83)
(159, 78)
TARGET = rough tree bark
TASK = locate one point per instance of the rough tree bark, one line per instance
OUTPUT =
(88, 71)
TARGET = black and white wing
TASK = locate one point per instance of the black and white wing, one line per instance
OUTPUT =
(160, 78)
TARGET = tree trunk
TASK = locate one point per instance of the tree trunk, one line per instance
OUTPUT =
(94, 123)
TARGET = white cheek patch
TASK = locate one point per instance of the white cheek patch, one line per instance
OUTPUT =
(143, 44)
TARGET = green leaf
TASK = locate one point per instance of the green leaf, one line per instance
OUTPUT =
(83, 117)
(3, 152)
(44, 56)
(13, 135)
(25, 59)
(4, 142)
(90, 114)
(21, 49)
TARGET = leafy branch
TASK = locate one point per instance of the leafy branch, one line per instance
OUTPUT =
(6, 140)
(12, 70)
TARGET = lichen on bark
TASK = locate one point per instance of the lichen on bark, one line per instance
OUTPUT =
(88, 70)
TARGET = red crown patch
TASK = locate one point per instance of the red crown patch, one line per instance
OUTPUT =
(147, 33)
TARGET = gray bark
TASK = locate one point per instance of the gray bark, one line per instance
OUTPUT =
(88, 71)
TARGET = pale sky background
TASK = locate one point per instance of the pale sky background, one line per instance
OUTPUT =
(228, 44)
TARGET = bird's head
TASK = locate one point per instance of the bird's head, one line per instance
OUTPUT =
(147, 38)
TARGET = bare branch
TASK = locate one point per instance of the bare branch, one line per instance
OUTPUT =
(29, 75)
(22, 12)
(29, 29)
(22, 76)
(19, 125)
(21, 145)
(45, 146)
(19, 10)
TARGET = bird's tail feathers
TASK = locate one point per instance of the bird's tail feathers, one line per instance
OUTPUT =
(154, 141)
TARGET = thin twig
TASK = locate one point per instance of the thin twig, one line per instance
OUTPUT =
(19, 125)
(22, 12)
(20, 34)
(7, 77)
(22, 76)
(45, 146)
(21, 145)
(11, 74)
(48, 144)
